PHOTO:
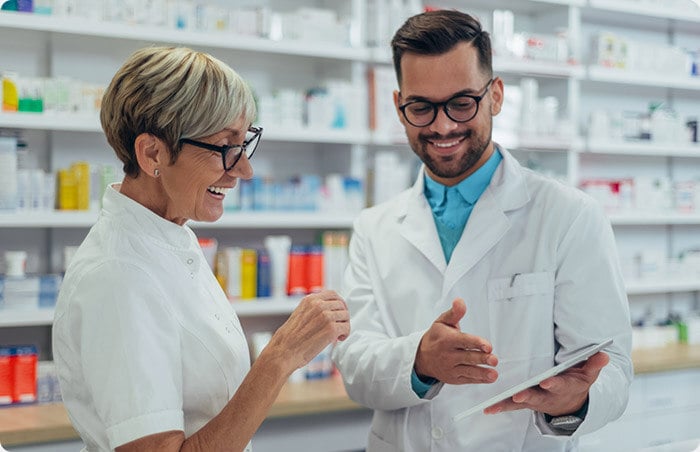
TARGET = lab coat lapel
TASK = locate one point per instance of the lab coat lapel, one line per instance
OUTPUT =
(418, 226)
(488, 222)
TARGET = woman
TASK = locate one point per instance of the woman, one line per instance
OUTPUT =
(149, 352)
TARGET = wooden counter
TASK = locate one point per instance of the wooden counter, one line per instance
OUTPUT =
(673, 357)
(48, 423)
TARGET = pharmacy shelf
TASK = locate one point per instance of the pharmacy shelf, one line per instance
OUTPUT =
(33, 424)
(537, 68)
(647, 9)
(239, 220)
(641, 287)
(72, 122)
(221, 40)
(653, 219)
(50, 219)
(511, 66)
(624, 77)
(255, 307)
(643, 149)
(26, 317)
(265, 306)
(69, 122)
(280, 220)
(549, 143)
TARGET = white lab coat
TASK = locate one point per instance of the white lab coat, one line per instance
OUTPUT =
(568, 294)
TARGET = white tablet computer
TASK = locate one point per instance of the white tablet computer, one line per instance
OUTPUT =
(583, 355)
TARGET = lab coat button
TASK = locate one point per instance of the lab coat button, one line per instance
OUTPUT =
(190, 260)
(436, 433)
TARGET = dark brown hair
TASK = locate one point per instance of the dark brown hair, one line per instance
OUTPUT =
(437, 32)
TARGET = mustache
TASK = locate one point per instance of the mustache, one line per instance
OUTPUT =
(451, 136)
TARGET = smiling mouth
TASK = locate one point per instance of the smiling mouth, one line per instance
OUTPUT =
(446, 144)
(218, 190)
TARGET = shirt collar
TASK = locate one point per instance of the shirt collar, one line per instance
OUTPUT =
(471, 188)
(134, 215)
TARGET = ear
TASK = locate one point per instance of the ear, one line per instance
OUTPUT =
(151, 154)
(496, 92)
(396, 105)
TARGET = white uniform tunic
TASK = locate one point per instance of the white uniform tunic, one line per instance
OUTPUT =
(537, 268)
(144, 338)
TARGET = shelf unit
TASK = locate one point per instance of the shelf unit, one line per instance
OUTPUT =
(570, 81)
(572, 14)
(83, 48)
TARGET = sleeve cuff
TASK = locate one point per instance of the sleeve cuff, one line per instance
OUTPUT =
(421, 386)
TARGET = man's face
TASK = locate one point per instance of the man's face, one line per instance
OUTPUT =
(450, 150)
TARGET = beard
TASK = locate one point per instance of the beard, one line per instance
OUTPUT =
(454, 165)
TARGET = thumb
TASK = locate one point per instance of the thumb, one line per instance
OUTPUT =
(453, 315)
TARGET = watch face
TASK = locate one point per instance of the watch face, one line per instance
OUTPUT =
(568, 423)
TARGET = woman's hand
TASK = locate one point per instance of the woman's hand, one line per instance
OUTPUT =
(320, 319)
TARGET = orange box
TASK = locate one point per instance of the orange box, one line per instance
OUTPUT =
(24, 371)
(6, 375)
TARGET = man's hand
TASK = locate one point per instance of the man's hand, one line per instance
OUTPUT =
(562, 394)
(448, 355)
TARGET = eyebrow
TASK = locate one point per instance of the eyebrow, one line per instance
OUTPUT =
(423, 98)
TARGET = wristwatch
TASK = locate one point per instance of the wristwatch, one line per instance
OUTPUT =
(568, 422)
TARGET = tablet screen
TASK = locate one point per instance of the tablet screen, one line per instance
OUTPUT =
(582, 355)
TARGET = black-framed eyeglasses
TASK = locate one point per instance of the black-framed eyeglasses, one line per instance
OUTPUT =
(230, 155)
(459, 108)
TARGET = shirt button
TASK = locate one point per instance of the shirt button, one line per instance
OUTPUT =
(216, 316)
(192, 275)
(190, 260)
(436, 433)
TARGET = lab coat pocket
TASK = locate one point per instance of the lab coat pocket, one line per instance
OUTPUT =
(376, 444)
(521, 310)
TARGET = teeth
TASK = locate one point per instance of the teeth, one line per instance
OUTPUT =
(446, 145)
(219, 190)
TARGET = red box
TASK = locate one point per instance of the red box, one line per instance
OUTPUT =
(24, 371)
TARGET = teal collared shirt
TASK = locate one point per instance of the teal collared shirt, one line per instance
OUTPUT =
(451, 208)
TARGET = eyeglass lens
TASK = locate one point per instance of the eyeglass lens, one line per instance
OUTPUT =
(459, 109)
(233, 155)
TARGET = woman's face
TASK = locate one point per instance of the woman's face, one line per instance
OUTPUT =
(195, 185)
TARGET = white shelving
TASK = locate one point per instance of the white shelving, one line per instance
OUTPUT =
(624, 77)
(641, 287)
(71, 122)
(255, 307)
(238, 220)
(26, 317)
(646, 9)
(221, 40)
(642, 148)
(653, 218)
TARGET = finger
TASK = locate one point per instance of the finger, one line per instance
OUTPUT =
(343, 331)
(470, 357)
(503, 406)
(596, 362)
(587, 372)
(464, 374)
(471, 342)
(453, 315)
(328, 294)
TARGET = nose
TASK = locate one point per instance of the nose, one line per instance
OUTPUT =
(443, 125)
(242, 169)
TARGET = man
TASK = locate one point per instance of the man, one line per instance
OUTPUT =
(448, 312)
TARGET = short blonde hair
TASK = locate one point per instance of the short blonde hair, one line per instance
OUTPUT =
(171, 93)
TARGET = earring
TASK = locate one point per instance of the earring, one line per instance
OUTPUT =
(156, 172)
